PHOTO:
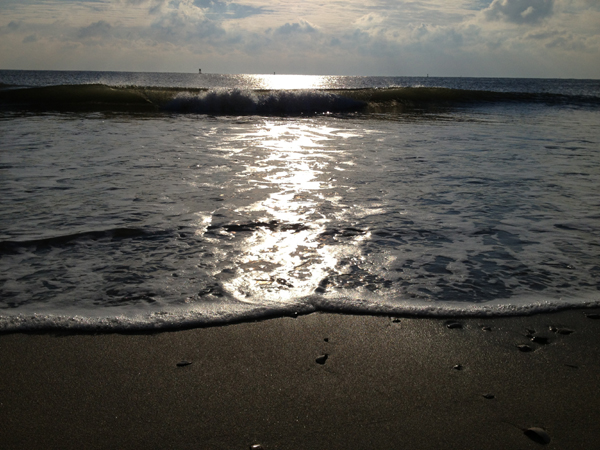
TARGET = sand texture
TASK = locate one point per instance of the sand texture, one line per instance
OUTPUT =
(322, 381)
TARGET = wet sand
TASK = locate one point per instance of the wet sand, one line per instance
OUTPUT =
(322, 381)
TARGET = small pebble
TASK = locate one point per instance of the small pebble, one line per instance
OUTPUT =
(458, 367)
(453, 325)
(489, 396)
(321, 359)
(524, 348)
(326, 339)
(183, 363)
(538, 435)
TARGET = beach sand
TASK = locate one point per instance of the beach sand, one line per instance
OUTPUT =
(321, 381)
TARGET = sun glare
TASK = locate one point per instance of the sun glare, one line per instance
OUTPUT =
(291, 81)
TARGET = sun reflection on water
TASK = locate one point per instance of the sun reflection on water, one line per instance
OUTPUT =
(288, 258)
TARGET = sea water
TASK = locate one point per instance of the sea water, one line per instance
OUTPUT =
(146, 201)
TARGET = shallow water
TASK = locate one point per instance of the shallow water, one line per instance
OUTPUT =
(128, 219)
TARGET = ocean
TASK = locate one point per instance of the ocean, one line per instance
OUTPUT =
(142, 201)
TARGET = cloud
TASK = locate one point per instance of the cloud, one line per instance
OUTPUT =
(29, 39)
(301, 27)
(560, 39)
(519, 11)
(100, 29)
(369, 21)
(219, 9)
(13, 26)
(186, 25)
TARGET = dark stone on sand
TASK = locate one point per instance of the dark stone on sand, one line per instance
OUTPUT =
(538, 435)
(321, 359)
(454, 325)
(323, 285)
(564, 331)
(489, 396)
(183, 363)
(458, 367)
(284, 282)
(213, 289)
(540, 340)
(524, 348)
(326, 339)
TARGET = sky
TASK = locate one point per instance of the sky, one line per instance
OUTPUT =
(481, 38)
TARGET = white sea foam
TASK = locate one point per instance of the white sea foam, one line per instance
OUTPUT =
(181, 318)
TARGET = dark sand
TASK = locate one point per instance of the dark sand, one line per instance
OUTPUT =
(385, 384)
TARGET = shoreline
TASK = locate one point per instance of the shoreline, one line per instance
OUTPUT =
(61, 324)
(317, 381)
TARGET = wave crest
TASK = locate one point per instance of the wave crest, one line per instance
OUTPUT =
(244, 102)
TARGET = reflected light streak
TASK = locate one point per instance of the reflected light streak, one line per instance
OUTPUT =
(288, 261)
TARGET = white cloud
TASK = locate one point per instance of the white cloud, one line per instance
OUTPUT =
(519, 11)
(300, 27)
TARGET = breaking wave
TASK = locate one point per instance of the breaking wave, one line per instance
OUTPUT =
(284, 102)
(99, 97)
